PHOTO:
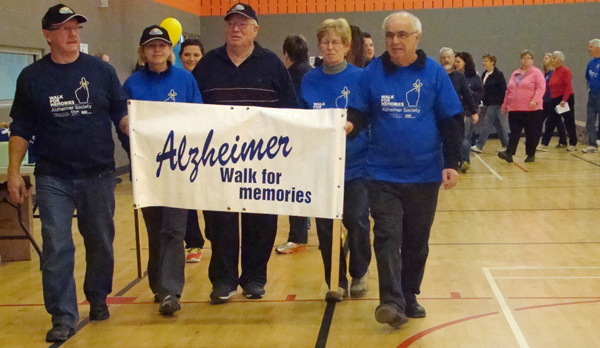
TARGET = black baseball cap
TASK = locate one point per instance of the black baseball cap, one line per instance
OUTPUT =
(243, 9)
(155, 32)
(59, 14)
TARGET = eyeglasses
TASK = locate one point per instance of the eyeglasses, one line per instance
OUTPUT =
(334, 43)
(402, 35)
(67, 28)
(241, 25)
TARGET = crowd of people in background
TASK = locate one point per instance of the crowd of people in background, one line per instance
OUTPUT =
(394, 165)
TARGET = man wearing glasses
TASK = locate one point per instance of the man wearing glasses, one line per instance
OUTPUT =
(67, 101)
(242, 73)
(416, 135)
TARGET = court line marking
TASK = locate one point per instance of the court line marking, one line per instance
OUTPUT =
(585, 159)
(505, 309)
(546, 277)
(325, 325)
(488, 167)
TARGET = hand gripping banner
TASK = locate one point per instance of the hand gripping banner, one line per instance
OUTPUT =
(238, 158)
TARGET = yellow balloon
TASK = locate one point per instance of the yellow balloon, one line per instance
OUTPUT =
(173, 28)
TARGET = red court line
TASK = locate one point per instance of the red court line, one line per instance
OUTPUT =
(518, 166)
(422, 334)
(290, 298)
(555, 305)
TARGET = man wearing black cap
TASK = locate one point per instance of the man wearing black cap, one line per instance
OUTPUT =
(242, 73)
(67, 100)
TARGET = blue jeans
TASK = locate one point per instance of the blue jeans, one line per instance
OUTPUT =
(356, 221)
(465, 151)
(492, 120)
(593, 112)
(94, 200)
(403, 215)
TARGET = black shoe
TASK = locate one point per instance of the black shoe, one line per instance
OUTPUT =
(390, 314)
(169, 305)
(156, 298)
(222, 293)
(530, 158)
(415, 310)
(59, 333)
(99, 312)
(505, 155)
(254, 290)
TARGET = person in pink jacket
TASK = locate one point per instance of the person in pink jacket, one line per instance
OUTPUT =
(523, 101)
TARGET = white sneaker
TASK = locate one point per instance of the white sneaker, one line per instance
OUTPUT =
(542, 147)
(590, 149)
(474, 148)
(502, 149)
(571, 148)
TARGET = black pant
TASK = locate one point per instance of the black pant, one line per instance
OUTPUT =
(356, 221)
(258, 237)
(519, 120)
(551, 124)
(298, 229)
(403, 215)
(193, 233)
(568, 116)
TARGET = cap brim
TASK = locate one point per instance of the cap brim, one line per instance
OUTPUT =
(156, 38)
(238, 12)
(80, 19)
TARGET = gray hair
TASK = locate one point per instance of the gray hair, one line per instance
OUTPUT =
(415, 23)
(446, 49)
(595, 42)
(559, 55)
(526, 52)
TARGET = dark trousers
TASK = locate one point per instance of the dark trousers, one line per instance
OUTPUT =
(298, 229)
(554, 121)
(258, 237)
(193, 233)
(568, 117)
(166, 260)
(403, 215)
(519, 120)
(356, 221)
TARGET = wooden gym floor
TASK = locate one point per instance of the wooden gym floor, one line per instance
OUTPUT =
(514, 262)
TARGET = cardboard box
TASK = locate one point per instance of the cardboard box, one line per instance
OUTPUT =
(15, 249)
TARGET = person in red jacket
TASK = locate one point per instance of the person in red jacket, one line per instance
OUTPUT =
(561, 93)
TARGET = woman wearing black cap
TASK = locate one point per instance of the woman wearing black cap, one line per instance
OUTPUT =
(159, 80)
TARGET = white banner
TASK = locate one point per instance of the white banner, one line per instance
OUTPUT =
(239, 159)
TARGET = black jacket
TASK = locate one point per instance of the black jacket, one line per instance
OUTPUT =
(494, 88)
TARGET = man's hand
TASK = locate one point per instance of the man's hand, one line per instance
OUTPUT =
(17, 188)
(562, 104)
(532, 105)
(475, 118)
(124, 124)
(348, 127)
(503, 110)
(449, 178)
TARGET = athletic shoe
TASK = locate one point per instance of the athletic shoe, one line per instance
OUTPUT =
(560, 146)
(530, 159)
(501, 149)
(590, 149)
(542, 147)
(290, 248)
(415, 310)
(194, 255)
(99, 312)
(464, 166)
(390, 314)
(222, 293)
(571, 148)
(59, 333)
(169, 305)
(505, 155)
(254, 290)
(336, 296)
(360, 287)
(474, 148)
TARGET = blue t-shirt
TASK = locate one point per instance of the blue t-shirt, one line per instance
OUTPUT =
(172, 85)
(405, 105)
(323, 91)
(592, 75)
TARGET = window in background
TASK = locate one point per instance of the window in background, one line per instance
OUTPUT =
(12, 62)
